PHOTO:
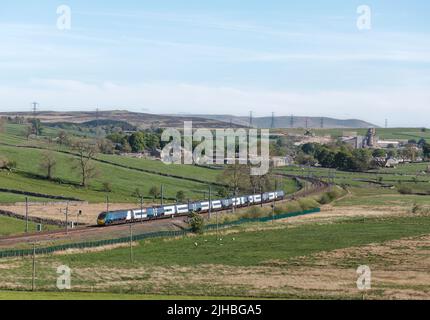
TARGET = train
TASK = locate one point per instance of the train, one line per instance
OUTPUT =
(168, 211)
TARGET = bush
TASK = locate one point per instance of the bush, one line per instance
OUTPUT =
(307, 204)
(180, 196)
(254, 212)
(330, 196)
(196, 223)
(405, 190)
(325, 199)
(290, 207)
(6, 164)
(107, 187)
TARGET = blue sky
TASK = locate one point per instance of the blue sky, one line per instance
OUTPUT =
(289, 57)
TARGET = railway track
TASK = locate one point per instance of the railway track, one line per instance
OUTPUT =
(316, 187)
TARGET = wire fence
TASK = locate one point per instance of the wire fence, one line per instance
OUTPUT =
(145, 236)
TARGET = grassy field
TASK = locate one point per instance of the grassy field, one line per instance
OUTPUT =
(382, 133)
(124, 181)
(9, 226)
(26, 295)
(184, 266)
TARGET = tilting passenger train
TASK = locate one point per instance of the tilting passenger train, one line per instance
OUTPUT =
(167, 211)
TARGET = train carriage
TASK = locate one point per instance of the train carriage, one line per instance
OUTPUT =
(128, 216)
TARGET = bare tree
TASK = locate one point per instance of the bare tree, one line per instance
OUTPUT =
(48, 164)
(86, 152)
(236, 177)
(62, 137)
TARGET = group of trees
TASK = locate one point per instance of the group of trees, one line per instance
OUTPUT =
(338, 157)
(136, 142)
(237, 179)
(84, 164)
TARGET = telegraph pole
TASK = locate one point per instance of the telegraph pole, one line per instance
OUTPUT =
(234, 201)
(67, 218)
(261, 195)
(141, 209)
(107, 203)
(26, 214)
(131, 244)
(33, 276)
(273, 211)
(210, 202)
(292, 121)
(162, 194)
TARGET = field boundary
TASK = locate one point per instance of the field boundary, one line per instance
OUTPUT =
(145, 236)
(52, 222)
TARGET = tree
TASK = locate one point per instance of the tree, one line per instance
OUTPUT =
(180, 196)
(105, 146)
(152, 141)
(196, 223)
(426, 150)
(137, 141)
(36, 126)
(361, 159)
(410, 152)
(154, 192)
(421, 142)
(107, 186)
(379, 153)
(48, 164)
(86, 152)
(6, 164)
(236, 177)
(137, 193)
(125, 146)
(392, 153)
(62, 138)
(342, 160)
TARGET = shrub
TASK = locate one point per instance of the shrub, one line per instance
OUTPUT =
(107, 186)
(325, 199)
(404, 190)
(196, 223)
(290, 207)
(254, 212)
(307, 203)
(6, 164)
(180, 196)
